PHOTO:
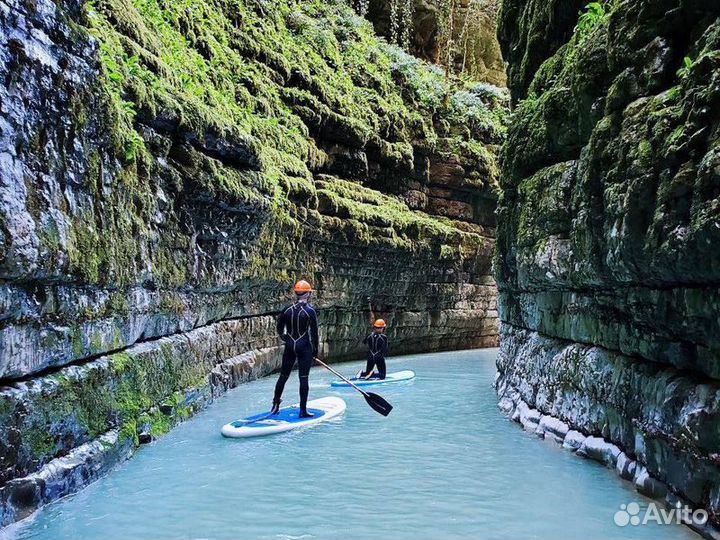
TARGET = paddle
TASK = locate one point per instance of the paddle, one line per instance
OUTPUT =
(377, 403)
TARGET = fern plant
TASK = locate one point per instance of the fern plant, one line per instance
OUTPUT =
(593, 16)
(684, 72)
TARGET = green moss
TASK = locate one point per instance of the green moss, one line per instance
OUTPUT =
(118, 305)
(543, 207)
(676, 136)
(49, 237)
(160, 423)
(262, 80)
(408, 230)
(130, 430)
(172, 303)
(96, 342)
(6, 406)
(118, 340)
(644, 153)
(40, 441)
(449, 253)
(123, 394)
(83, 250)
(78, 344)
(121, 361)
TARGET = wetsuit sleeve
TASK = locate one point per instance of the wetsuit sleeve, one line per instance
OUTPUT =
(281, 325)
(314, 331)
(385, 346)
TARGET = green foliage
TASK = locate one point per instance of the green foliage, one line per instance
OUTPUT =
(40, 440)
(449, 253)
(188, 60)
(425, 87)
(262, 80)
(684, 72)
(357, 211)
(596, 14)
(593, 16)
(471, 108)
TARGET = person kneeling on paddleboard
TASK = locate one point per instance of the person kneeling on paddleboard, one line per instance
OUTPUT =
(377, 343)
(297, 326)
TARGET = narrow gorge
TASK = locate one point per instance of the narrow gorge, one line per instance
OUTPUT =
(168, 169)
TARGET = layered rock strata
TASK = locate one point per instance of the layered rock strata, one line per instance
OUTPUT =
(609, 229)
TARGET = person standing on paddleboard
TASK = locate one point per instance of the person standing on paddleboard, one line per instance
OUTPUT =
(377, 343)
(297, 326)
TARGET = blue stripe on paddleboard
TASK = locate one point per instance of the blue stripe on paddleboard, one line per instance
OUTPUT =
(373, 381)
(289, 415)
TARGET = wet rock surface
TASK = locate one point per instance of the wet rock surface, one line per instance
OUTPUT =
(600, 449)
(62, 476)
(529, 33)
(608, 234)
(657, 427)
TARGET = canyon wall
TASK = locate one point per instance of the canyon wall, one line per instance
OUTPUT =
(474, 44)
(608, 260)
(168, 170)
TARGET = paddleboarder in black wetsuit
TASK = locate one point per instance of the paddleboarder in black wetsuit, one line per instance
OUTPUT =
(377, 343)
(297, 326)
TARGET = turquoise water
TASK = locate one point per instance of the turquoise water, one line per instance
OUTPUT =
(445, 464)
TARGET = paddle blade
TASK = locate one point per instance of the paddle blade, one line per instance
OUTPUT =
(378, 403)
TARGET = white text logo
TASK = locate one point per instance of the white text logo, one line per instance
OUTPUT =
(630, 514)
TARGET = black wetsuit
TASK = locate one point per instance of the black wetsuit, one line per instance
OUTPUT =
(297, 326)
(377, 350)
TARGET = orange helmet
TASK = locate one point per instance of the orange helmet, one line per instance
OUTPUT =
(302, 287)
(379, 323)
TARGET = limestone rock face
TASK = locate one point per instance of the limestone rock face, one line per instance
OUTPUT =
(168, 171)
(608, 259)
(529, 33)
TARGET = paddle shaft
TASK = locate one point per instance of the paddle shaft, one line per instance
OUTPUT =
(323, 364)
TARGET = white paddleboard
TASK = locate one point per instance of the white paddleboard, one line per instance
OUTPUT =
(389, 378)
(288, 418)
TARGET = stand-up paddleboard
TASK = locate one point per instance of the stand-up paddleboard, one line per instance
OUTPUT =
(389, 378)
(288, 418)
